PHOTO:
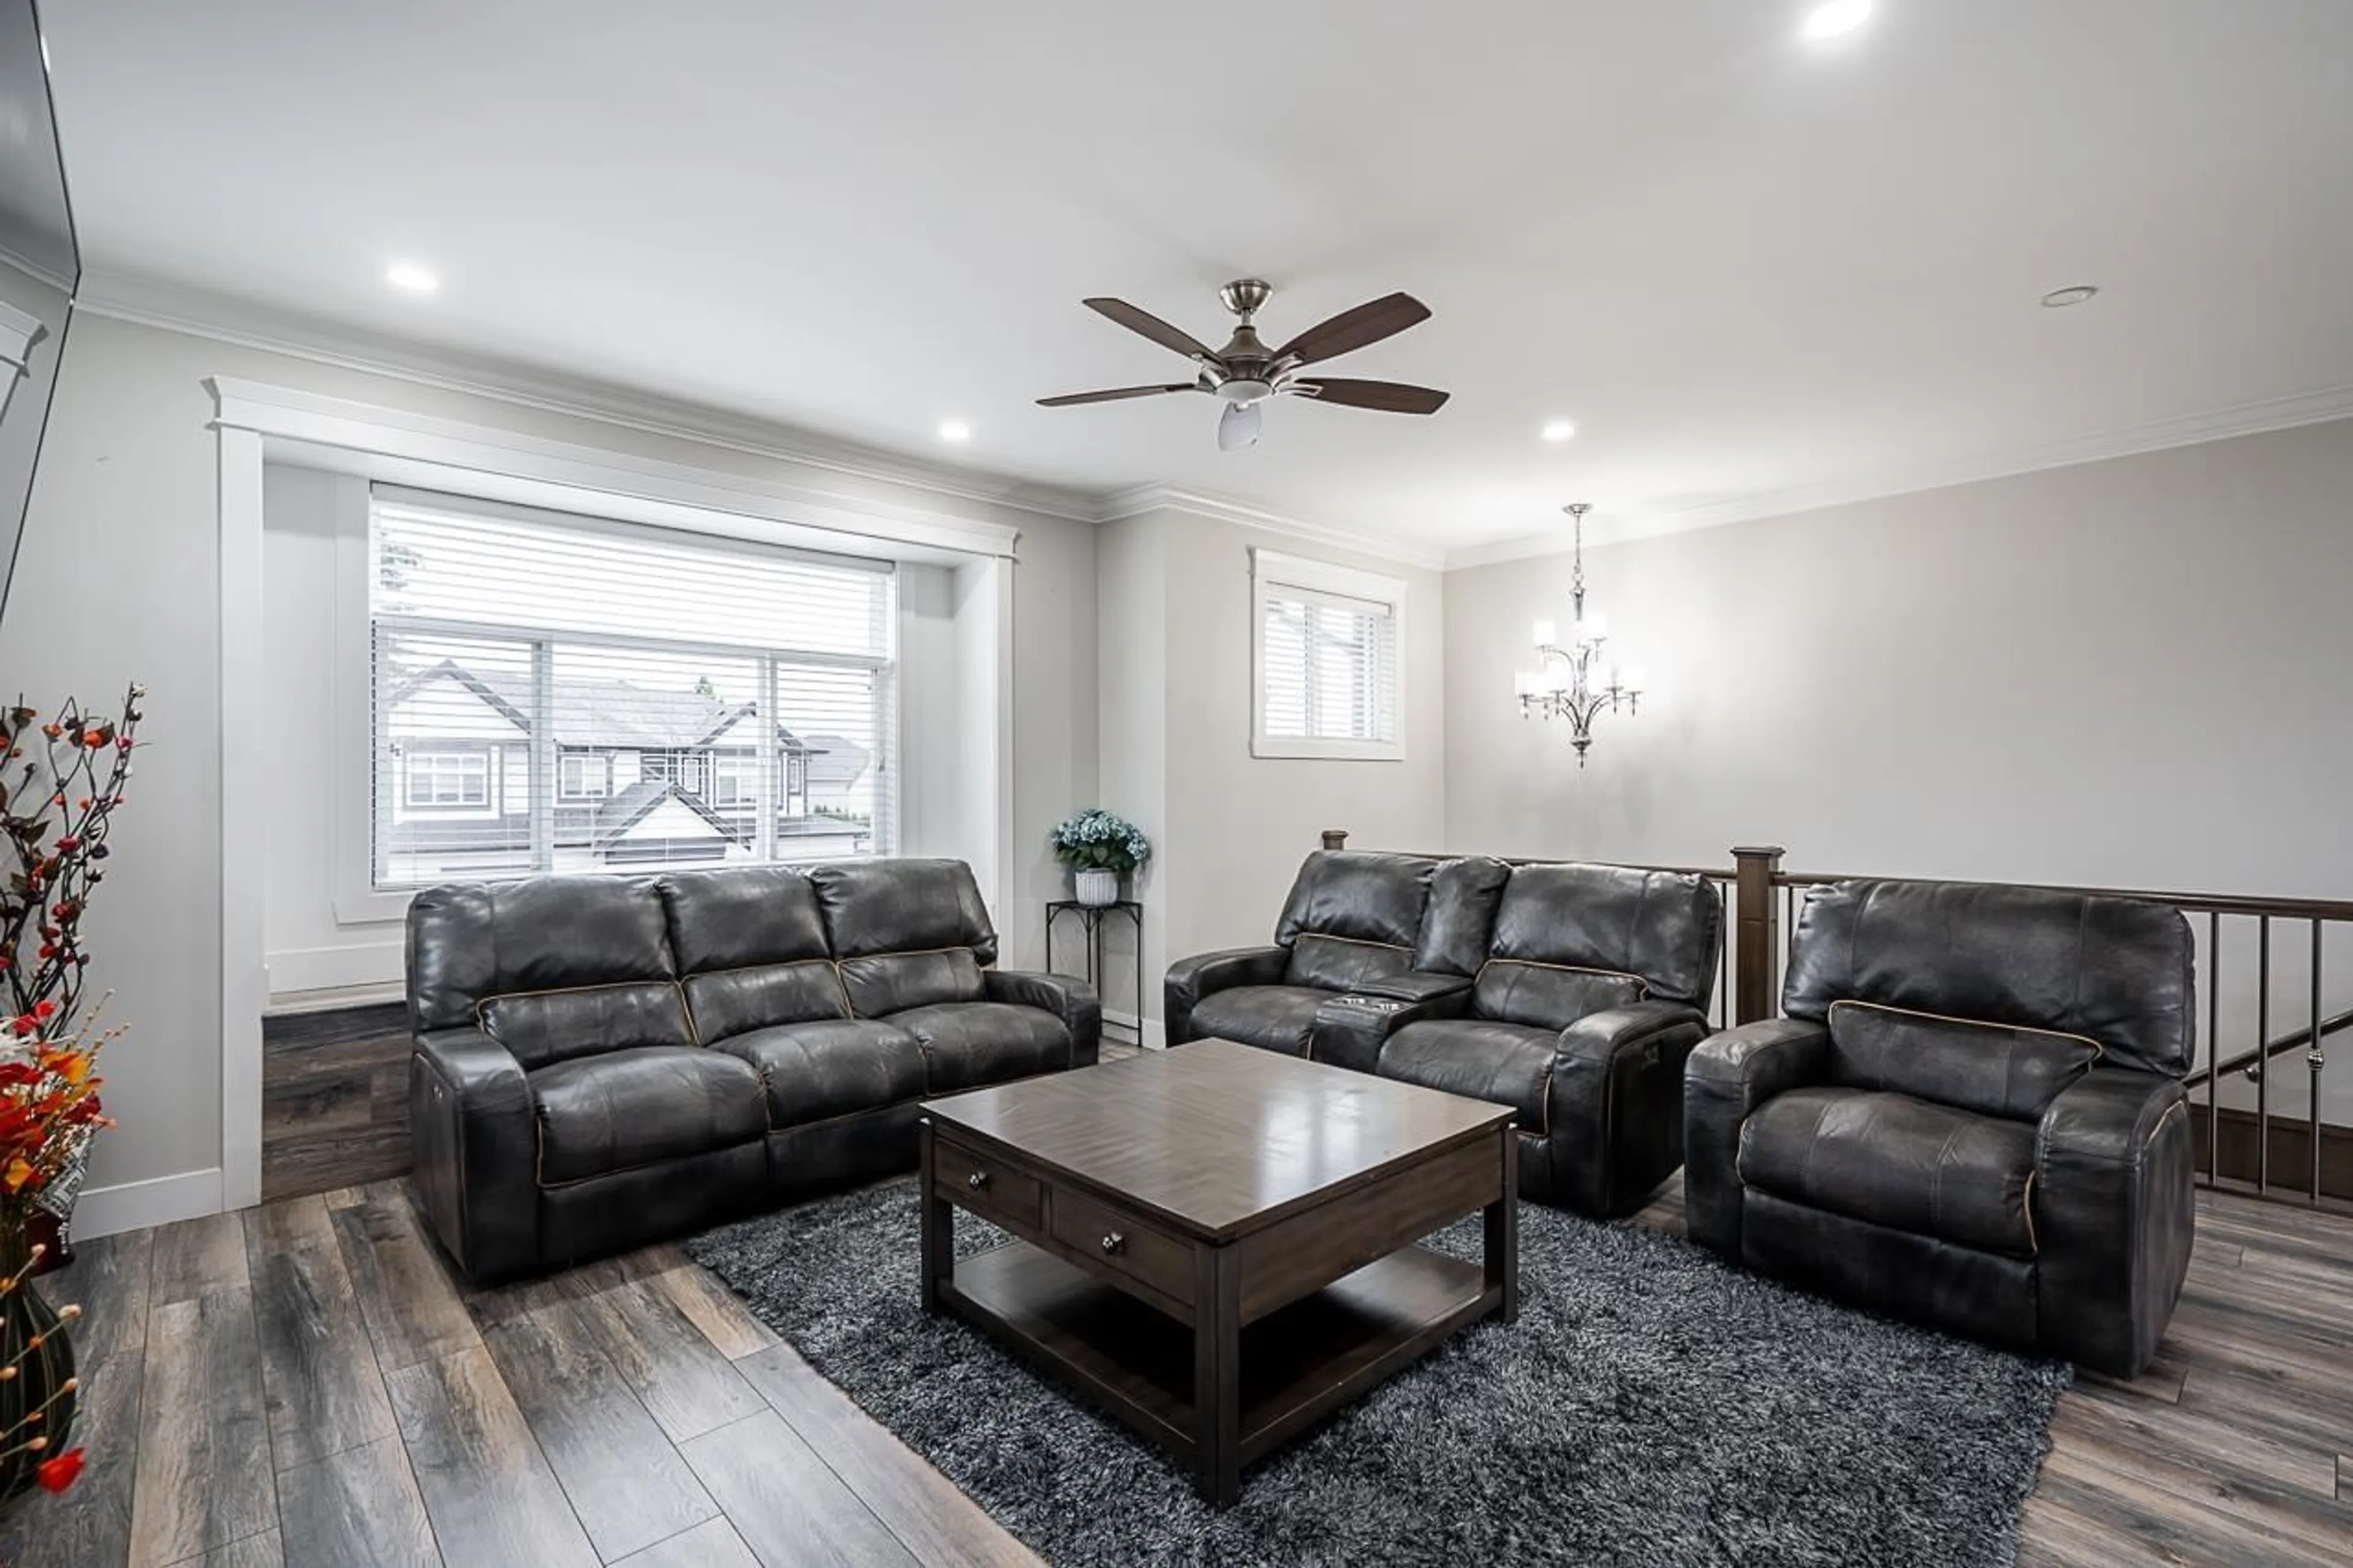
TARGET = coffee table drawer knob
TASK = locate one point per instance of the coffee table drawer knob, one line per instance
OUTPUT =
(977, 1181)
(1114, 1243)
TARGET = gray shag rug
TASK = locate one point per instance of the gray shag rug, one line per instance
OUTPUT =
(1652, 1405)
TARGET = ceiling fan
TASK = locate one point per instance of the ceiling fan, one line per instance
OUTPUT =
(1246, 372)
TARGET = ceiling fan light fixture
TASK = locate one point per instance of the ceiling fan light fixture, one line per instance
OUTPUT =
(1833, 18)
(1242, 391)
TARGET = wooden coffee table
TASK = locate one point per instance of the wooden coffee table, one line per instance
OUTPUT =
(1216, 1243)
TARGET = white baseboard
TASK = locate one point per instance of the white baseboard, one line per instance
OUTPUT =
(1151, 1039)
(131, 1206)
(293, 970)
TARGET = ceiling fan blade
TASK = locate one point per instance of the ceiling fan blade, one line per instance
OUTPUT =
(1115, 394)
(1150, 326)
(1389, 396)
(1351, 330)
(1238, 427)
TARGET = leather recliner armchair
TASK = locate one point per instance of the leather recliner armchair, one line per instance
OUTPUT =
(1972, 1116)
(603, 1061)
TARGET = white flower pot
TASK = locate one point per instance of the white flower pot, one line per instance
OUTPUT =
(1097, 887)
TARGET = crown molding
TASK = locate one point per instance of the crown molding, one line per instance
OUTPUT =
(2188, 430)
(1146, 498)
(151, 302)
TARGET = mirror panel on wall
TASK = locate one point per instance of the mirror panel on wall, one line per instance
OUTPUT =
(40, 267)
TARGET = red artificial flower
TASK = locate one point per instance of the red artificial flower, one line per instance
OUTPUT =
(45, 1008)
(122, 742)
(94, 738)
(61, 1472)
(68, 843)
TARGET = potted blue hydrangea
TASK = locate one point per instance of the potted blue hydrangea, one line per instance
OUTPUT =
(1099, 848)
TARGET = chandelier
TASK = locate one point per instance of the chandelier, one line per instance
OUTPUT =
(1574, 681)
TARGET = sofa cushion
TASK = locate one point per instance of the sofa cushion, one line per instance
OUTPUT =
(641, 1106)
(968, 1044)
(741, 917)
(834, 1067)
(1352, 893)
(1509, 1064)
(1666, 927)
(1898, 1161)
(902, 906)
(1549, 996)
(1343, 963)
(881, 984)
(469, 941)
(1994, 1069)
(734, 1001)
(542, 1027)
(2116, 971)
(1271, 1017)
(1460, 920)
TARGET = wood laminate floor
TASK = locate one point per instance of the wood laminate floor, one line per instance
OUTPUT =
(306, 1386)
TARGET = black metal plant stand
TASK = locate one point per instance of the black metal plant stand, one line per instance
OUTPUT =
(1091, 922)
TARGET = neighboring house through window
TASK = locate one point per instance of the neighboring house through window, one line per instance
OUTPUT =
(1324, 660)
(690, 699)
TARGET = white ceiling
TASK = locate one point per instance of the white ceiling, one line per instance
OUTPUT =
(1743, 263)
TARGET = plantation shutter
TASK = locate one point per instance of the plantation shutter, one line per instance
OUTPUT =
(1329, 665)
(558, 693)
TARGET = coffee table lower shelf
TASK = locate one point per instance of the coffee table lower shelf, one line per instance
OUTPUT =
(1297, 1364)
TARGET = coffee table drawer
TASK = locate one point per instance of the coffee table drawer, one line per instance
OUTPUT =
(1123, 1242)
(971, 1180)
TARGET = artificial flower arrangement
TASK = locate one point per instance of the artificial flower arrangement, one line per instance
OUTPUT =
(55, 815)
(1099, 848)
(1095, 840)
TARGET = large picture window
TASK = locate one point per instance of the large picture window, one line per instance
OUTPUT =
(1324, 646)
(564, 694)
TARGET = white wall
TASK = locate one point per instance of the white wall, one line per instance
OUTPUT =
(2131, 674)
(118, 580)
(1230, 829)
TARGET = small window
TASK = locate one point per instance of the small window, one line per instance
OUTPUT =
(584, 775)
(1325, 650)
(448, 778)
(735, 780)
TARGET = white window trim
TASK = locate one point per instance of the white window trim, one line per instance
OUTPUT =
(1271, 572)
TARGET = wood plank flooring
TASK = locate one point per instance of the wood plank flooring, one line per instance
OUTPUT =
(308, 1386)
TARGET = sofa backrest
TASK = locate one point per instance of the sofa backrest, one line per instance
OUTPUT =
(1353, 916)
(1571, 939)
(1991, 997)
(904, 933)
(1459, 920)
(750, 946)
(552, 967)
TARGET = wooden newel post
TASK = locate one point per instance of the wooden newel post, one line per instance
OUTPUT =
(1335, 838)
(1755, 933)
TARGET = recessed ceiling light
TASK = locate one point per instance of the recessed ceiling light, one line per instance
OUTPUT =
(1835, 16)
(409, 278)
(1559, 430)
(2073, 294)
(955, 430)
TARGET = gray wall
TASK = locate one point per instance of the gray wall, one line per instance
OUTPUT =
(2131, 674)
(118, 580)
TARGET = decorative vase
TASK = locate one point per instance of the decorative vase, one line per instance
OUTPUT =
(33, 1343)
(1097, 887)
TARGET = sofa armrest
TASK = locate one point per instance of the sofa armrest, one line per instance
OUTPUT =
(474, 1137)
(1726, 1078)
(1612, 1111)
(1351, 1029)
(2114, 1211)
(1190, 979)
(1071, 1000)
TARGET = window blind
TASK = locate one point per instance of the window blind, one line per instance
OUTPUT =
(1329, 665)
(553, 693)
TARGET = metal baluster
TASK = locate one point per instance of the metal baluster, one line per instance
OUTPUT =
(2262, 1064)
(2213, 1046)
(2315, 1059)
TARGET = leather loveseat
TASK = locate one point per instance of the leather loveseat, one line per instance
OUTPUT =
(1971, 1116)
(602, 1061)
(1571, 993)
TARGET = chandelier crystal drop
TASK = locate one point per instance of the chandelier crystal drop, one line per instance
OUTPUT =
(1574, 678)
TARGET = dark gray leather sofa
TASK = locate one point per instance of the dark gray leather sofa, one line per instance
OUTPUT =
(603, 1061)
(1571, 993)
(1972, 1116)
